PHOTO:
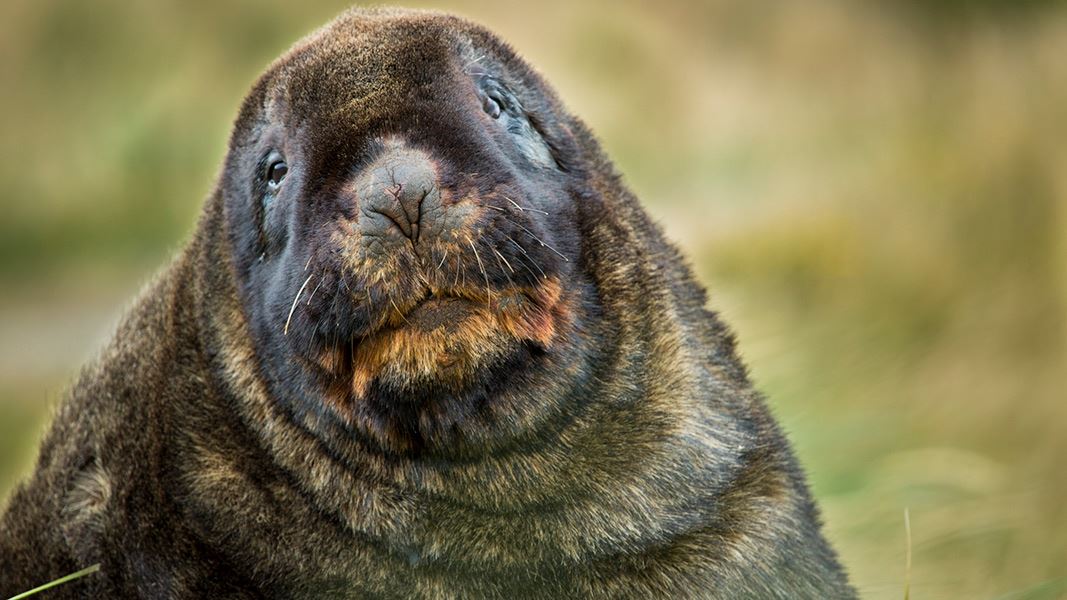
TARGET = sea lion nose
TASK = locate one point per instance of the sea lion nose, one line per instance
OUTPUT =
(393, 194)
(398, 187)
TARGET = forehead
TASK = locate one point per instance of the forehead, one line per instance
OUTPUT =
(375, 59)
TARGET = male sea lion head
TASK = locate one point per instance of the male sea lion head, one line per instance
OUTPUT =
(401, 197)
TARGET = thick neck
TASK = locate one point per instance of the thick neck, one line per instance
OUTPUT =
(606, 459)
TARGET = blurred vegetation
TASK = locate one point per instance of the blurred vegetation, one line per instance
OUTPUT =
(954, 11)
(874, 193)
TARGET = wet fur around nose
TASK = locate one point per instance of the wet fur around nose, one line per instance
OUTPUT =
(498, 381)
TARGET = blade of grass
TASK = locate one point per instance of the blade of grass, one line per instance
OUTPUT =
(60, 581)
(1051, 589)
(907, 555)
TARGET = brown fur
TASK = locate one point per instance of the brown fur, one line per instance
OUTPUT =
(615, 448)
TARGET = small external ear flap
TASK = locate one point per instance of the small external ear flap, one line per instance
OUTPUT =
(560, 143)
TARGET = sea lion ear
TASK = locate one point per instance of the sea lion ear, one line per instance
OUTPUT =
(564, 148)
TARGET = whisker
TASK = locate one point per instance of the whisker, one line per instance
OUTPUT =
(323, 324)
(285, 330)
(423, 279)
(488, 291)
(501, 257)
(527, 254)
(523, 208)
(397, 309)
(321, 279)
(537, 239)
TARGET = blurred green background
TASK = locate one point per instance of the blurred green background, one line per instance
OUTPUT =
(874, 193)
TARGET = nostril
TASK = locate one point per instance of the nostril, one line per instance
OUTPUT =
(402, 205)
(417, 222)
(400, 221)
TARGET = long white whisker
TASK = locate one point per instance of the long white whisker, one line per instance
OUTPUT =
(523, 208)
(321, 279)
(537, 239)
(292, 308)
(488, 292)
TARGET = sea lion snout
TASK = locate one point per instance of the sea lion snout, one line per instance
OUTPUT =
(399, 201)
(436, 273)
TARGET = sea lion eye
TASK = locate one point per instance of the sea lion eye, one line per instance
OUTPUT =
(493, 104)
(276, 172)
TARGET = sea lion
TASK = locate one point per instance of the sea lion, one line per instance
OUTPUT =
(423, 343)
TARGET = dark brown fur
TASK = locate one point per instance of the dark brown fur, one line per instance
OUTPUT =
(586, 434)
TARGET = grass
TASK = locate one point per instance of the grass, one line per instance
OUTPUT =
(907, 556)
(57, 582)
(875, 198)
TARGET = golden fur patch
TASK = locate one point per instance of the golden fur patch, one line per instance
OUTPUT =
(451, 352)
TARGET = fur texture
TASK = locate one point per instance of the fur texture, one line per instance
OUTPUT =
(516, 393)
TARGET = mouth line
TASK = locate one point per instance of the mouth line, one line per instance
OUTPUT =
(436, 311)
(444, 337)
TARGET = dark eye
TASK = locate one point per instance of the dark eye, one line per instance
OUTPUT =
(493, 104)
(276, 172)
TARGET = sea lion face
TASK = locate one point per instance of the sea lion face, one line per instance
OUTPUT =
(401, 204)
